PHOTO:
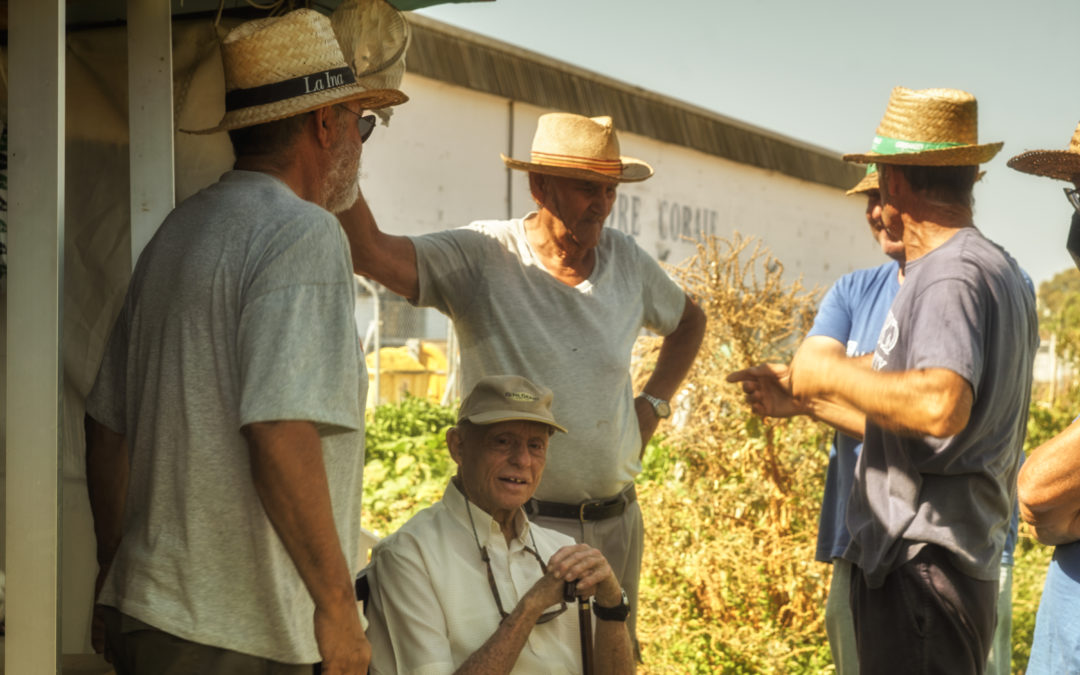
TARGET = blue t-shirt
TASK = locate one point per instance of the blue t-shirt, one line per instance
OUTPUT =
(852, 313)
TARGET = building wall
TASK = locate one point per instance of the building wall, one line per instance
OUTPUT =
(437, 166)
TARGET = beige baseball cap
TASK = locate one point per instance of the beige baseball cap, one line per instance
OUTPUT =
(506, 398)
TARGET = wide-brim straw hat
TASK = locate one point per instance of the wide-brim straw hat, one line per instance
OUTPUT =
(869, 183)
(283, 66)
(1060, 164)
(575, 146)
(929, 127)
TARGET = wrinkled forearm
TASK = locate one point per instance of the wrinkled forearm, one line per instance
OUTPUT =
(1049, 488)
(388, 259)
(931, 402)
(500, 652)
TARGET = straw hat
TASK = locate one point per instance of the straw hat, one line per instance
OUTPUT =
(1060, 164)
(869, 183)
(576, 146)
(282, 66)
(929, 127)
(506, 398)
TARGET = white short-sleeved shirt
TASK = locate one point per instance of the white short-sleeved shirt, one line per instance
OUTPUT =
(431, 603)
(513, 317)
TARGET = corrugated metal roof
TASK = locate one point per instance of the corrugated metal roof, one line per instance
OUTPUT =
(459, 57)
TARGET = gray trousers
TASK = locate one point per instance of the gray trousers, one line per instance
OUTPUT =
(137, 648)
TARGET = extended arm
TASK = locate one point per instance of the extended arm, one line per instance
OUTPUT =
(1049, 488)
(386, 258)
(290, 479)
(933, 401)
(590, 569)
(768, 391)
(677, 353)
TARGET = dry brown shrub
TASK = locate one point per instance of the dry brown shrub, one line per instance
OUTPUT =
(731, 502)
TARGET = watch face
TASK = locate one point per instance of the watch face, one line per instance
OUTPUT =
(663, 409)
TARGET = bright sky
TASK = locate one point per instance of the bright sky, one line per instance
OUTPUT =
(821, 72)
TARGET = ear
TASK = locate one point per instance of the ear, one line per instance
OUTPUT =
(454, 440)
(536, 187)
(895, 183)
(326, 126)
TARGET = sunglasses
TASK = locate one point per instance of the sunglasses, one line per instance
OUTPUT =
(365, 124)
(1073, 196)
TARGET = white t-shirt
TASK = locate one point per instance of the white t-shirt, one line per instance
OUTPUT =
(240, 310)
(513, 317)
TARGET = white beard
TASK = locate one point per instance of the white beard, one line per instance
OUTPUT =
(343, 180)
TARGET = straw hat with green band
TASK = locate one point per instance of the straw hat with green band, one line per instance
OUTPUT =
(869, 182)
(929, 127)
(1060, 164)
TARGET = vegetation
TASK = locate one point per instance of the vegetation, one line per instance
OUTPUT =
(731, 502)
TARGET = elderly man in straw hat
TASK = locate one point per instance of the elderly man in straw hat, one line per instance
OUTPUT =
(225, 427)
(945, 398)
(847, 323)
(469, 585)
(1048, 484)
(556, 296)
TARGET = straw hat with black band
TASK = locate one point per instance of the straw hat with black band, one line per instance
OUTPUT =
(575, 146)
(283, 66)
(1059, 164)
(928, 127)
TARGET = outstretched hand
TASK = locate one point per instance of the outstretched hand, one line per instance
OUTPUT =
(768, 390)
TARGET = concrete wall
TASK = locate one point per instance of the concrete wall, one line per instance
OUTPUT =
(437, 166)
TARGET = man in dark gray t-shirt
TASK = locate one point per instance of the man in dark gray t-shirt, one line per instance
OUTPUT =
(946, 397)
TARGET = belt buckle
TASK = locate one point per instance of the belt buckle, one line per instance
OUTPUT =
(581, 511)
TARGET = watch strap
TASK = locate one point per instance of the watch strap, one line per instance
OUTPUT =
(617, 613)
(661, 407)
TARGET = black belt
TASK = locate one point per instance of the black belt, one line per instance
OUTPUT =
(593, 509)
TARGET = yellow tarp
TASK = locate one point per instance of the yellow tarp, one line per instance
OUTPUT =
(402, 372)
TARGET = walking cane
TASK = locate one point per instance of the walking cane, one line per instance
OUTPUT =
(585, 625)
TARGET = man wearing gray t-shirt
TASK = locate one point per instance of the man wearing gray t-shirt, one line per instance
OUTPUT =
(946, 398)
(225, 427)
(558, 298)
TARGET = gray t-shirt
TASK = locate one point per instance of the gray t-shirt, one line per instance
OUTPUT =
(964, 307)
(512, 316)
(240, 310)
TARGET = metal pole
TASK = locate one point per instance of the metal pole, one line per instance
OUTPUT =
(35, 286)
(378, 332)
(150, 118)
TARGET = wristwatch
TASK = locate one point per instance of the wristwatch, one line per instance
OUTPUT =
(617, 613)
(659, 405)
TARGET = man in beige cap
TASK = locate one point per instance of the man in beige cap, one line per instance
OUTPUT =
(556, 296)
(1049, 489)
(225, 427)
(469, 585)
(945, 398)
